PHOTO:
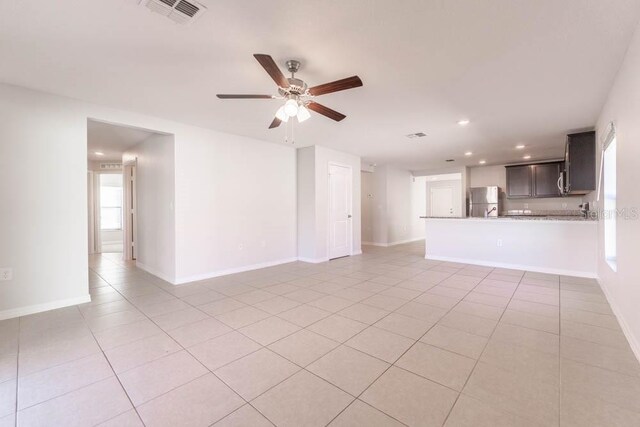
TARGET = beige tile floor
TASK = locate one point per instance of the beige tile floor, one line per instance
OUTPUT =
(382, 339)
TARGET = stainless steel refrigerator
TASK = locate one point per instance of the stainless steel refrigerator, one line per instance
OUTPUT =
(485, 202)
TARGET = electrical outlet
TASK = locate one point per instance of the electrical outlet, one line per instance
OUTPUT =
(564, 206)
(499, 243)
(6, 274)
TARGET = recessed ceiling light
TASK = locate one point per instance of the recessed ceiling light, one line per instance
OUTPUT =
(482, 162)
(527, 157)
(468, 153)
(464, 122)
(519, 146)
(98, 153)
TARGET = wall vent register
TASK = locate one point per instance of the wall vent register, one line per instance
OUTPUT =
(179, 11)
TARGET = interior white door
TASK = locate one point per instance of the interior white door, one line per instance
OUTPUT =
(441, 199)
(340, 221)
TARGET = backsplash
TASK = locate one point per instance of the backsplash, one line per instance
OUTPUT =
(555, 204)
(547, 212)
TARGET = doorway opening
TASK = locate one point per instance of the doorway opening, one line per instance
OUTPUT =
(112, 187)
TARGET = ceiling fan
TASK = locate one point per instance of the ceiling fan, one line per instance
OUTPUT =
(299, 97)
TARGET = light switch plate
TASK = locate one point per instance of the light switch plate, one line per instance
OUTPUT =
(6, 274)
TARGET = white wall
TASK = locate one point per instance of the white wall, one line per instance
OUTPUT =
(366, 205)
(380, 223)
(482, 176)
(43, 213)
(623, 107)
(313, 190)
(155, 192)
(229, 191)
(396, 202)
(418, 206)
(306, 209)
(111, 236)
(399, 205)
(235, 203)
(558, 247)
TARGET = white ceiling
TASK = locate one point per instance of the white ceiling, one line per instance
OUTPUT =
(522, 71)
(111, 140)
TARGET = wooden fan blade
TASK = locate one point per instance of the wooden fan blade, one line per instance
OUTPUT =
(272, 69)
(275, 123)
(338, 85)
(325, 111)
(223, 96)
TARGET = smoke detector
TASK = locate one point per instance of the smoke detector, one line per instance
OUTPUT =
(179, 11)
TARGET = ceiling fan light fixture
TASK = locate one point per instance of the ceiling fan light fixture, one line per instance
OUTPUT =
(303, 114)
(282, 115)
(291, 107)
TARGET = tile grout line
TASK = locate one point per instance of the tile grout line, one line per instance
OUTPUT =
(346, 272)
(484, 348)
(187, 350)
(102, 351)
(17, 369)
(409, 348)
(304, 368)
(559, 350)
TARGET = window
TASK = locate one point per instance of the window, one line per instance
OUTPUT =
(110, 202)
(610, 210)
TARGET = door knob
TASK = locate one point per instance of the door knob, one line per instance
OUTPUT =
(349, 216)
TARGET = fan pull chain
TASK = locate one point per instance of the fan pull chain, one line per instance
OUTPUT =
(293, 138)
(288, 126)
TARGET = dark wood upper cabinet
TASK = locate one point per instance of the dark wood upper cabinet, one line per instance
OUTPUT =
(534, 181)
(519, 183)
(580, 163)
(545, 180)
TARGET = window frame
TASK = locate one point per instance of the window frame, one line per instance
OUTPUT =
(609, 195)
(101, 207)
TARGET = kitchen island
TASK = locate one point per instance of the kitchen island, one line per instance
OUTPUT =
(557, 245)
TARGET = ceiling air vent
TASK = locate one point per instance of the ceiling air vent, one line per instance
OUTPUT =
(180, 11)
(110, 165)
(417, 135)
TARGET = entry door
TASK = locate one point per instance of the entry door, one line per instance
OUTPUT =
(442, 201)
(340, 221)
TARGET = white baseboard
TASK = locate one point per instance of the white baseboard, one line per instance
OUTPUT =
(155, 272)
(357, 253)
(402, 242)
(39, 308)
(588, 274)
(399, 242)
(384, 245)
(313, 260)
(218, 273)
(626, 330)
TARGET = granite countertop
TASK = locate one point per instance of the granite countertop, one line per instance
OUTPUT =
(529, 215)
(547, 218)
(522, 218)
